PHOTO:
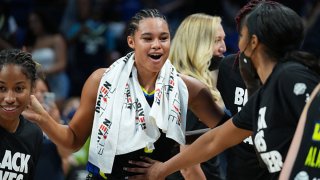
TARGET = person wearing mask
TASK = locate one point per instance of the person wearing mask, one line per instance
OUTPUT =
(197, 41)
(237, 81)
(136, 107)
(271, 114)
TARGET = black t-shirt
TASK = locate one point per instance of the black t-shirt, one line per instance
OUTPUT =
(272, 113)
(49, 166)
(242, 162)
(19, 151)
(230, 85)
(307, 163)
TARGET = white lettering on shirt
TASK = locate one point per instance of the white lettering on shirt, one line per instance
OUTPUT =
(240, 99)
(272, 159)
(17, 162)
(240, 96)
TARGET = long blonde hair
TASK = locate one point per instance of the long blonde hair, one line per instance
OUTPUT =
(192, 48)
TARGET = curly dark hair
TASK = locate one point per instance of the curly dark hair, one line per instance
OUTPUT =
(20, 58)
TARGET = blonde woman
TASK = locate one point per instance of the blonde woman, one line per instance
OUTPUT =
(198, 42)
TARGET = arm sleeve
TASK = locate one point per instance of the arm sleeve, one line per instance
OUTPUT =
(244, 118)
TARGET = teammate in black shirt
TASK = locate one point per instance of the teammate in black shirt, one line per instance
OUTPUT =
(149, 38)
(270, 37)
(20, 139)
(241, 159)
(302, 161)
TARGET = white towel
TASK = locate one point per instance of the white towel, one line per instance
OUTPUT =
(124, 122)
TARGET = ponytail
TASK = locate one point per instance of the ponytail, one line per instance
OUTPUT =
(305, 58)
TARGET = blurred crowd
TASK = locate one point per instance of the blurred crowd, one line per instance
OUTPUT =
(92, 32)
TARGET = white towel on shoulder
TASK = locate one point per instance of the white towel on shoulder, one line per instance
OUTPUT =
(123, 120)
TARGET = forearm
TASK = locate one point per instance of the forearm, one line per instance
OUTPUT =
(201, 150)
(206, 146)
(192, 172)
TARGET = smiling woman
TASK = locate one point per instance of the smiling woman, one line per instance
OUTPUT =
(136, 107)
(19, 139)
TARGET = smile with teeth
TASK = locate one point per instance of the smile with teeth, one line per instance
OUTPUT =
(155, 56)
(9, 108)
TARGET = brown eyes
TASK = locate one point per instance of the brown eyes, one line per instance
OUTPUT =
(16, 89)
(19, 89)
(151, 39)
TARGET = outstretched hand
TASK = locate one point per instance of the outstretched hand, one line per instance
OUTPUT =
(34, 110)
(148, 168)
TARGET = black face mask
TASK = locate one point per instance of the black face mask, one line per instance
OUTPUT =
(215, 62)
(248, 74)
(245, 65)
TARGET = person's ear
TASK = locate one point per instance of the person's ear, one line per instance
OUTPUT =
(130, 42)
(254, 41)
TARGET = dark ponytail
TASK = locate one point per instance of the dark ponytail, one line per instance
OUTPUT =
(305, 58)
(281, 30)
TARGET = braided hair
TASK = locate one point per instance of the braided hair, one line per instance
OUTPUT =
(246, 9)
(243, 12)
(22, 59)
(142, 14)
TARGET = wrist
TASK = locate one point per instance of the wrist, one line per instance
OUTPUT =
(42, 118)
(163, 171)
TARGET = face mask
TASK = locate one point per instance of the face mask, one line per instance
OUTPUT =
(215, 62)
(246, 66)
(248, 74)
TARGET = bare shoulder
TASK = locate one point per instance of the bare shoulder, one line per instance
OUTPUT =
(81, 123)
(92, 83)
(58, 38)
(58, 41)
(192, 82)
(195, 88)
(201, 102)
(97, 74)
(194, 85)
